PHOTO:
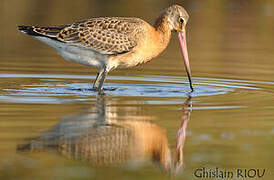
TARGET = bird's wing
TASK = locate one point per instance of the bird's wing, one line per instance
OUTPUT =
(106, 35)
(110, 35)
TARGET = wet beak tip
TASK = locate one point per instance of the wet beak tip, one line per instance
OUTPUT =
(192, 89)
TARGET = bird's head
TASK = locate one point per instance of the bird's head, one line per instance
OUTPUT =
(176, 18)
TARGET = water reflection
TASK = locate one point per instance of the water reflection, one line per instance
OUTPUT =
(111, 136)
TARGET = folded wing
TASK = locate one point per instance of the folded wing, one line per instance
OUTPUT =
(113, 35)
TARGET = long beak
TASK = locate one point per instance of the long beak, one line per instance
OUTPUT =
(183, 46)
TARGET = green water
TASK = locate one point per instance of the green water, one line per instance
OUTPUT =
(53, 126)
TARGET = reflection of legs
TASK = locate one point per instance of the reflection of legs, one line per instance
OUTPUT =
(98, 78)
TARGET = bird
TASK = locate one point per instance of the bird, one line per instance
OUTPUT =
(106, 43)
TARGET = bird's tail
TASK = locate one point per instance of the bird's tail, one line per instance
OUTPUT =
(29, 30)
(50, 31)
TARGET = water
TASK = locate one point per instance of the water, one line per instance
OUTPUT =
(147, 125)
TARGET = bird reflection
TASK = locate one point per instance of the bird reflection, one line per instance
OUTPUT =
(109, 136)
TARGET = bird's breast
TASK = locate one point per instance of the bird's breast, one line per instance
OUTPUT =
(150, 44)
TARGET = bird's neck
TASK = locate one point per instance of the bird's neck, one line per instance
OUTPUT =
(163, 29)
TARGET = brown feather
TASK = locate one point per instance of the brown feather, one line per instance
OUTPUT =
(113, 35)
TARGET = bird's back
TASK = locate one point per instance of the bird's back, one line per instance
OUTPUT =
(107, 35)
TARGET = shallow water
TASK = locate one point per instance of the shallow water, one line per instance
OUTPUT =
(147, 125)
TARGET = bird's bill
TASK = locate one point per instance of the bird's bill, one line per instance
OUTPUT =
(183, 47)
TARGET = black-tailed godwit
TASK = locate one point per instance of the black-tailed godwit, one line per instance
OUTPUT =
(106, 43)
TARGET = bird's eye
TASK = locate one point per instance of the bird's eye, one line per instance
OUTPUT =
(181, 20)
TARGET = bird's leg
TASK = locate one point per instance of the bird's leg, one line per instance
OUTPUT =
(102, 80)
(98, 77)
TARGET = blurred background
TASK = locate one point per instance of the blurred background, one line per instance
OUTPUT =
(228, 38)
(45, 99)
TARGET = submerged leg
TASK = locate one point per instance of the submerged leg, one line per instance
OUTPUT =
(97, 80)
(102, 80)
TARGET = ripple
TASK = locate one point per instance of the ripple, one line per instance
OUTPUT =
(54, 88)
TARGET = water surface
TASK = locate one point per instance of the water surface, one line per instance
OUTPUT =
(147, 125)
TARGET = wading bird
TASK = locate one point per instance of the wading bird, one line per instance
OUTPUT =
(106, 43)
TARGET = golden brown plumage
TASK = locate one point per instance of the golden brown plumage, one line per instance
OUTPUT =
(110, 42)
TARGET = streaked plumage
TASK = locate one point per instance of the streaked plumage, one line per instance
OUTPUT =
(110, 42)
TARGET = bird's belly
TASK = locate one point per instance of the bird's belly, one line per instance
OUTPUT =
(77, 53)
(84, 57)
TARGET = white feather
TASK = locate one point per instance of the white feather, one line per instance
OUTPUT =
(76, 53)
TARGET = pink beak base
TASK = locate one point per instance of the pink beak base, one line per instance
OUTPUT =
(183, 47)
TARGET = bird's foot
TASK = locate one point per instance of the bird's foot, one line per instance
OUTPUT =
(95, 89)
(99, 91)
